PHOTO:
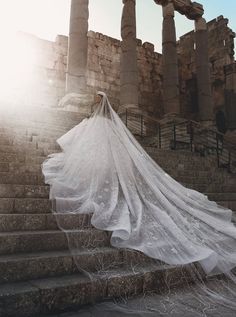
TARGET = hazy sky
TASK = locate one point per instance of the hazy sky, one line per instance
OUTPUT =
(47, 18)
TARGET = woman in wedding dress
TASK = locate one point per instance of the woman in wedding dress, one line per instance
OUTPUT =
(102, 170)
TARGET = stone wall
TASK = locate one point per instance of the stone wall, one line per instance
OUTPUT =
(47, 86)
(48, 83)
(221, 53)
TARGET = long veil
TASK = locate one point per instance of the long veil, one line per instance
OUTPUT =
(104, 178)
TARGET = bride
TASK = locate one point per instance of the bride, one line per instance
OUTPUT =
(105, 172)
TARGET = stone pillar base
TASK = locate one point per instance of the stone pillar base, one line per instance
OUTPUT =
(77, 103)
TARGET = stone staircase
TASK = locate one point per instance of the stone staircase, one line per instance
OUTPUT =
(38, 274)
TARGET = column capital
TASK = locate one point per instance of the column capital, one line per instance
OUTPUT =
(200, 24)
(125, 1)
(168, 10)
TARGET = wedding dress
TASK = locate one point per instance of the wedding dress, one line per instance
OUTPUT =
(103, 171)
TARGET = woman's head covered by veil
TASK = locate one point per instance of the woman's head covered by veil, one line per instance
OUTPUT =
(104, 107)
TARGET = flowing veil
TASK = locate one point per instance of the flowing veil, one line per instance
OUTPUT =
(104, 175)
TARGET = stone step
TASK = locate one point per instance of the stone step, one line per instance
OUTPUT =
(36, 141)
(12, 157)
(222, 196)
(24, 205)
(50, 240)
(43, 205)
(56, 263)
(12, 127)
(189, 164)
(165, 164)
(43, 221)
(190, 173)
(42, 191)
(20, 168)
(175, 158)
(30, 149)
(42, 118)
(211, 188)
(36, 167)
(25, 145)
(200, 180)
(58, 294)
(186, 177)
(56, 124)
(24, 191)
(42, 112)
(29, 128)
(21, 178)
(6, 139)
(231, 204)
(39, 155)
(43, 132)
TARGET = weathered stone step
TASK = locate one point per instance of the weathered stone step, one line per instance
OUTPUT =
(217, 179)
(23, 167)
(43, 221)
(42, 191)
(6, 139)
(30, 148)
(38, 112)
(177, 159)
(37, 118)
(8, 143)
(189, 173)
(189, 164)
(10, 126)
(222, 196)
(22, 158)
(56, 124)
(231, 204)
(45, 131)
(25, 157)
(24, 191)
(24, 205)
(37, 178)
(58, 294)
(165, 164)
(20, 168)
(21, 178)
(56, 263)
(36, 167)
(48, 240)
(212, 188)
(43, 205)
(12, 157)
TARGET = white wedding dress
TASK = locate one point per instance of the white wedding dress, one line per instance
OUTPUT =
(104, 171)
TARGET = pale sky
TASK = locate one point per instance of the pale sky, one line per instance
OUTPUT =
(47, 18)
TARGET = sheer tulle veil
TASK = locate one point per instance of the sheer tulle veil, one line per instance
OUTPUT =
(105, 177)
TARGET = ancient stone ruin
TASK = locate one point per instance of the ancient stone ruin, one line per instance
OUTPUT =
(190, 79)
(193, 78)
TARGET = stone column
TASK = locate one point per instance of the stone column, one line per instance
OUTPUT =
(170, 62)
(77, 96)
(128, 63)
(78, 47)
(203, 71)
